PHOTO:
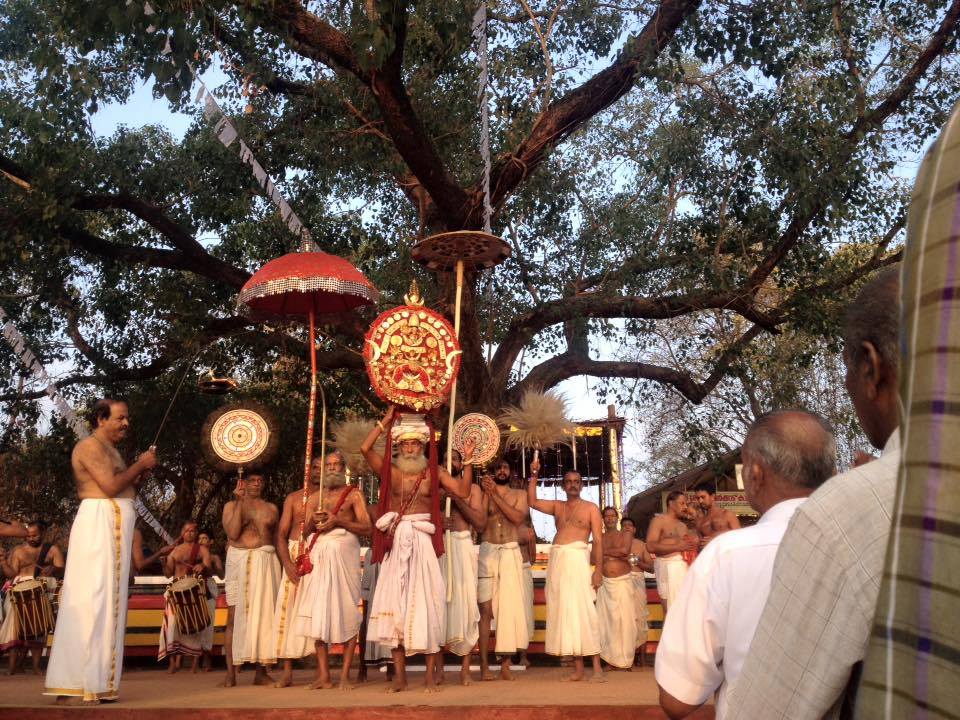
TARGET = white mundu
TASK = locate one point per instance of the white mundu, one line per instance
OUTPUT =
(206, 636)
(328, 601)
(87, 655)
(501, 580)
(670, 572)
(463, 613)
(409, 604)
(572, 626)
(287, 643)
(252, 578)
(643, 611)
(528, 598)
(617, 611)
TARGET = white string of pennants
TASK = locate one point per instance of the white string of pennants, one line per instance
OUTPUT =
(227, 134)
(29, 360)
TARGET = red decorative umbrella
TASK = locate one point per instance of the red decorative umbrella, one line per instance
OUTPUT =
(307, 283)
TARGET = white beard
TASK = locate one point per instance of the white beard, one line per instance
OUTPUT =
(334, 479)
(411, 465)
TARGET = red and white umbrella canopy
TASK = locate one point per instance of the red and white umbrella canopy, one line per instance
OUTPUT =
(296, 283)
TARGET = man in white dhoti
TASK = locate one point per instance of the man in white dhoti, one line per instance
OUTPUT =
(528, 549)
(290, 533)
(409, 607)
(252, 578)
(87, 655)
(459, 569)
(641, 562)
(328, 600)
(667, 538)
(34, 559)
(213, 592)
(572, 625)
(187, 559)
(617, 597)
(501, 582)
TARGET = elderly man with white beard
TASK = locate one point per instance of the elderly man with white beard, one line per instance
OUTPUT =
(328, 599)
(408, 612)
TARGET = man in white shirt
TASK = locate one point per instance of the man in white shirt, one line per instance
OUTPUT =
(786, 455)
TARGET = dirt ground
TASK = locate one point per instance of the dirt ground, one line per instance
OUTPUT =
(538, 686)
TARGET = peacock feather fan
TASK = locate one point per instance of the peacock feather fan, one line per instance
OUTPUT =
(347, 437)
(539, 421)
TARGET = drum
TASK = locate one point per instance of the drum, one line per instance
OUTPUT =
(32, 605)
(189, 599)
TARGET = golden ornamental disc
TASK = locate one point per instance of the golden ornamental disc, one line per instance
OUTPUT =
(239, 435)
(412, 357)
(483, 431)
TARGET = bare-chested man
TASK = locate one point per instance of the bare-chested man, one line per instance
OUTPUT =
(640, 562)
(328, 599)
(189, 558)
(213, 592)
(85, 661)
(252, 578)
(408, 612)
(617, 596)
(667, 539)
(32, 560)
(500, 588)
(715, 519)
(570, 585)
(459, 568)
(290, 534)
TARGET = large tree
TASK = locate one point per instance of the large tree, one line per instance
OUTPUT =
(650, 161)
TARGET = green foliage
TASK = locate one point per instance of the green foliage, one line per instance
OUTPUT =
(754, 122)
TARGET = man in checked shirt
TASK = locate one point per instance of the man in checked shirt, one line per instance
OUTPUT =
(806, 653)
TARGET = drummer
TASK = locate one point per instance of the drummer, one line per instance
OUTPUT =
(188, 559)
(32, 559)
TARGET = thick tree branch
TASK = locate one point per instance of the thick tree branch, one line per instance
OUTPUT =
(562, 367)
(317, 39)
(567, 114)
(176, 234)
(597, 306)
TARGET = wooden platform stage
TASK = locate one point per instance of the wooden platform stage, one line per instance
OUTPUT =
(536, 694)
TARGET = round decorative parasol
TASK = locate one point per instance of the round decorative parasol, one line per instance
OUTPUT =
(307, 283)
(456, 251)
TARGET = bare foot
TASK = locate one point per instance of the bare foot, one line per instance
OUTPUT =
(465, 678)
(90, 703)
(598, 678)
(525, 661)
(395, 689)
(571, 678)
(283, 682)
(320, 685)
(486, 675)
(505, 673)
(263, 678)
(431, 689)
(172, 669)
(68, 700)
(230, 680)
(346, 685)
